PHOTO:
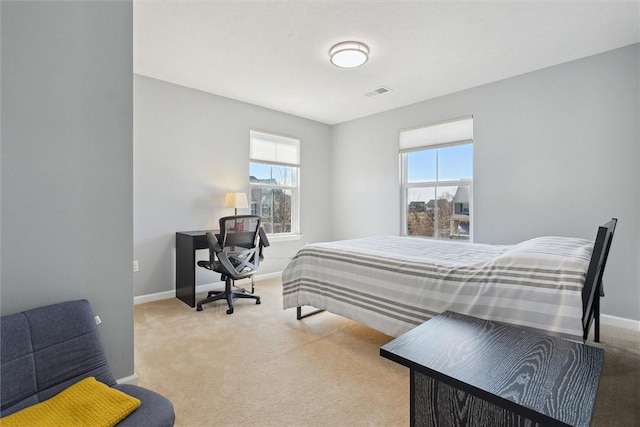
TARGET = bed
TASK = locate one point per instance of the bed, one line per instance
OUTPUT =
(392, 284)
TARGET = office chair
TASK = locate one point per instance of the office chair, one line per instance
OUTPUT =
(238, 249)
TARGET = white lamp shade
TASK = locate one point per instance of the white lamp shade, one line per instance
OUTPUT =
(349, 54)
(236, 200)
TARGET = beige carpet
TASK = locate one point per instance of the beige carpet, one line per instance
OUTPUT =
(262, 367)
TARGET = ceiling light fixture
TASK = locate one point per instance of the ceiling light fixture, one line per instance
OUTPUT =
(349, 54)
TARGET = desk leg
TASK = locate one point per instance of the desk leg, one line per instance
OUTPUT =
(185, 269)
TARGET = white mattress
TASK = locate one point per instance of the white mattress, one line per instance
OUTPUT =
(393, 283)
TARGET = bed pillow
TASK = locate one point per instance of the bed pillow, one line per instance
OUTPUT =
(86, 403)
(569, 248)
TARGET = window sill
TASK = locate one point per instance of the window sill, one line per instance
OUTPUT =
(283, 237)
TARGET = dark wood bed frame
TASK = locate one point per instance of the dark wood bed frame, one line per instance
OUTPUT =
(593, 290)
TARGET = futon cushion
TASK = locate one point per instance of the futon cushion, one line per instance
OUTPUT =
(86, 403)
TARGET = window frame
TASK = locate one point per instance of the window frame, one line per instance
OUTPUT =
(294, 188)
(405, 186)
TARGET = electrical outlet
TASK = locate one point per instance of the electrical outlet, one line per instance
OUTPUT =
(136, 265)
(98, 320)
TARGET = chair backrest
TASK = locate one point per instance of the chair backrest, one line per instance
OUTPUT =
(239, 230)
(239, 237)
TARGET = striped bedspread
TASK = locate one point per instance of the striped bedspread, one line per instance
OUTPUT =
(393, 283)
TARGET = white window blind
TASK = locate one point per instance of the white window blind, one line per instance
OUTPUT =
(459, 130)
(274, 149)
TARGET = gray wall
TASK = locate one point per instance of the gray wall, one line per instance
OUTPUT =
(556, 152)
(67, 162)
(190, 148)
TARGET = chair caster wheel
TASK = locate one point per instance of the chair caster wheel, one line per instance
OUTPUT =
(199, 308)
(230, 311)
(258, 302)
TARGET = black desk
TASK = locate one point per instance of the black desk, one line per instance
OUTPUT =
(467, 371)
(187, 242)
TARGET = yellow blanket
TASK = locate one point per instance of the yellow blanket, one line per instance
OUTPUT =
(86, 403)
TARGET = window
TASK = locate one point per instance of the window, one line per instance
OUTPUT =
(274, 182)
(436, 164)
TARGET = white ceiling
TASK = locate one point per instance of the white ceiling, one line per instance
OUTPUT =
(275, 53)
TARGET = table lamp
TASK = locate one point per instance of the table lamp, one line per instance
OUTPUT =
(236, 201)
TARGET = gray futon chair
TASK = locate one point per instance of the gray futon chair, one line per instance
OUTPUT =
(48, 349)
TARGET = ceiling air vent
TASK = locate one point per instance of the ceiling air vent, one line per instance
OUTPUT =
(378, 91)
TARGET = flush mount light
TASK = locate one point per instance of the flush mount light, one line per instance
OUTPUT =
(349, 54)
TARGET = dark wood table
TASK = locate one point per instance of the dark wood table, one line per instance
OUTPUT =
(466, 371)
(187, 243)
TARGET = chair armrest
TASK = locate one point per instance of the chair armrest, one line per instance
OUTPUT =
(213, 242)
(264, 241)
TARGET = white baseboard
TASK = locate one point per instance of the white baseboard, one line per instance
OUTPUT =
(131, 379)
(620, 322)
(201, 288)
(153, 297)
